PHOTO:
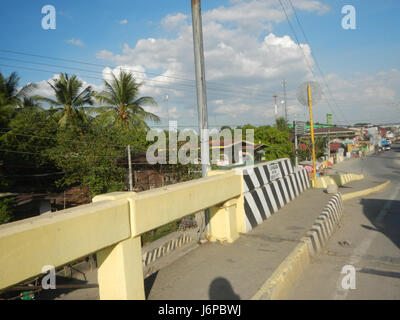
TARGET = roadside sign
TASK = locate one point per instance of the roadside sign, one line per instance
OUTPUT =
(300, 128)
(274, 171)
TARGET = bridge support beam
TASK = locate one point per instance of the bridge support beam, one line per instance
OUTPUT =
(120, 271)
(223, 222)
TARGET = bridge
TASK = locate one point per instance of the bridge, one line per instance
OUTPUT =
(239, 201)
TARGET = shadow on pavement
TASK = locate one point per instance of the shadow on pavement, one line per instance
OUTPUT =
(383, 273)
(390, 225)
(148, 284)
(57, 293)
(221, 289)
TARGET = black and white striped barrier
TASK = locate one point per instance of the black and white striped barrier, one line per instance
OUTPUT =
(269, 186)
(325, 225)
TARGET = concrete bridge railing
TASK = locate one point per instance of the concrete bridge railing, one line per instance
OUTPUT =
(111, 227)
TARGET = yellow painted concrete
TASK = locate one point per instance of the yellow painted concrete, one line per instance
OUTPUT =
(240, 214)
(120, 273)
(223, 222)
(283, 278)
(338, 179)
(157, 207)
(111, 227)
(28, 245)
(365, 191)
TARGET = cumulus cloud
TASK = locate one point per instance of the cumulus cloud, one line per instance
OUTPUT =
(174, 21)
(75, 42)
(242, 68)
(245, 61)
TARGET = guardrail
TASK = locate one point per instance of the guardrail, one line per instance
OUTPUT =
(111, 227)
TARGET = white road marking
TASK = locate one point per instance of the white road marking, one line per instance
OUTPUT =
(362, 249)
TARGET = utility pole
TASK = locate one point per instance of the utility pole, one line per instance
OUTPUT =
(296, 146)
(201, 103)
(284, 98)
(312, 135)
(130, 168)
(276, 108)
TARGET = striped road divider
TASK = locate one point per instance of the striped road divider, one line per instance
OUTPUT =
(289, 271)
(266, 191)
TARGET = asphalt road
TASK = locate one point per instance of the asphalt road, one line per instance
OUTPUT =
(368, 240)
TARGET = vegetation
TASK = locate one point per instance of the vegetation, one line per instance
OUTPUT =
(78, 137)
(123, 107)
(5, 210)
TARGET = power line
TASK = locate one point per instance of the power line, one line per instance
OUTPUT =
(133, 70)
(301, 49)
(315, 59)
(145, 82)
(51, 138)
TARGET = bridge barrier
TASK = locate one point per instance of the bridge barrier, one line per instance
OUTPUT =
(338, 179)
(112, 225)
(267, 187)
(289, 271)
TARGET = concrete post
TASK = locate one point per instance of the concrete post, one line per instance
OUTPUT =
(120, 271)
(223, 223)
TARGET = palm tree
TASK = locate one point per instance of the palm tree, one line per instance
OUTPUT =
(122, 105)
(70, 97)
(11, 98)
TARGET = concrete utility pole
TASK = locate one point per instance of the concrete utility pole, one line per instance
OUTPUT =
(284, 98)
(202, 218)
(276, 108)
(130, 168)
(296, 145)
(201, 86)
(312, 135)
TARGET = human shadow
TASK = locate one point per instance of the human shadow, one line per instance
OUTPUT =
(390, 224)
(221, 289)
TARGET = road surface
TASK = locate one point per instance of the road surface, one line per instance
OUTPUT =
(368, 240)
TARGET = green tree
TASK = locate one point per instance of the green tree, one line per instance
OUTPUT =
(282, 124)
(6, 211)
(276, 141)
(29, 134)
(122, 106)
(11, 97)
(71, 98)
(96, 158)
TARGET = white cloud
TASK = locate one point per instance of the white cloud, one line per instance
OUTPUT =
(75, 42)
(174, 21)
(245, 63)
(125, 21)
(234, 58)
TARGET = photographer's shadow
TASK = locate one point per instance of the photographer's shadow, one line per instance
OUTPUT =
(221, 289)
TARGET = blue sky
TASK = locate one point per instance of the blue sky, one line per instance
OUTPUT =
(353, 61)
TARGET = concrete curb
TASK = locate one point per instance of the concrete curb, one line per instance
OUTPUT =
(338, 179)
(365, 191)
(288, 272)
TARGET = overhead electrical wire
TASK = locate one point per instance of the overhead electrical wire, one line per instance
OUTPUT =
(192, 81)
(316, 61)
(305, 58)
